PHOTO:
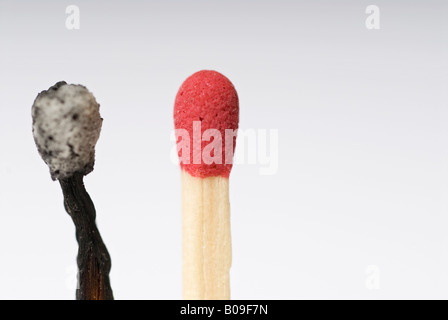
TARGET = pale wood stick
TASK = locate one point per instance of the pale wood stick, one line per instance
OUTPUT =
(207, 250)
(192, 238)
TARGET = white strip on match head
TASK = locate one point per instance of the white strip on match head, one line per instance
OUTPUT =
(66, 127)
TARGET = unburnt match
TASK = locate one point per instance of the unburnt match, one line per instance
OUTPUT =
(206, 116)
(66, 127)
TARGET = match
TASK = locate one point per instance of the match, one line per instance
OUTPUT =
(66, 128)
(206, 116)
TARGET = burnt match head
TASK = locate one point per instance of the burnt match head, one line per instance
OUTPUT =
(66, 127)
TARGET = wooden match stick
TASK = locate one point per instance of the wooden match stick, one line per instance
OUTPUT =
(66, 127)
(209, 100)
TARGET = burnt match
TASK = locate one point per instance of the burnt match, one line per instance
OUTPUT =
(66, 128)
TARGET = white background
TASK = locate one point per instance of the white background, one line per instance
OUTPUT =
(363, 159)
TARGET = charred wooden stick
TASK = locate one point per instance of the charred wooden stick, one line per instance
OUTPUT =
(93, 258)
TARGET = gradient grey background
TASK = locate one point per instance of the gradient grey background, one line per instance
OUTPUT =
(363, 159)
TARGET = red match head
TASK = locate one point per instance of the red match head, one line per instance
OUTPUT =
(206, 115)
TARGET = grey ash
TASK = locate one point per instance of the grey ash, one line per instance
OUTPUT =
(66, 127)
